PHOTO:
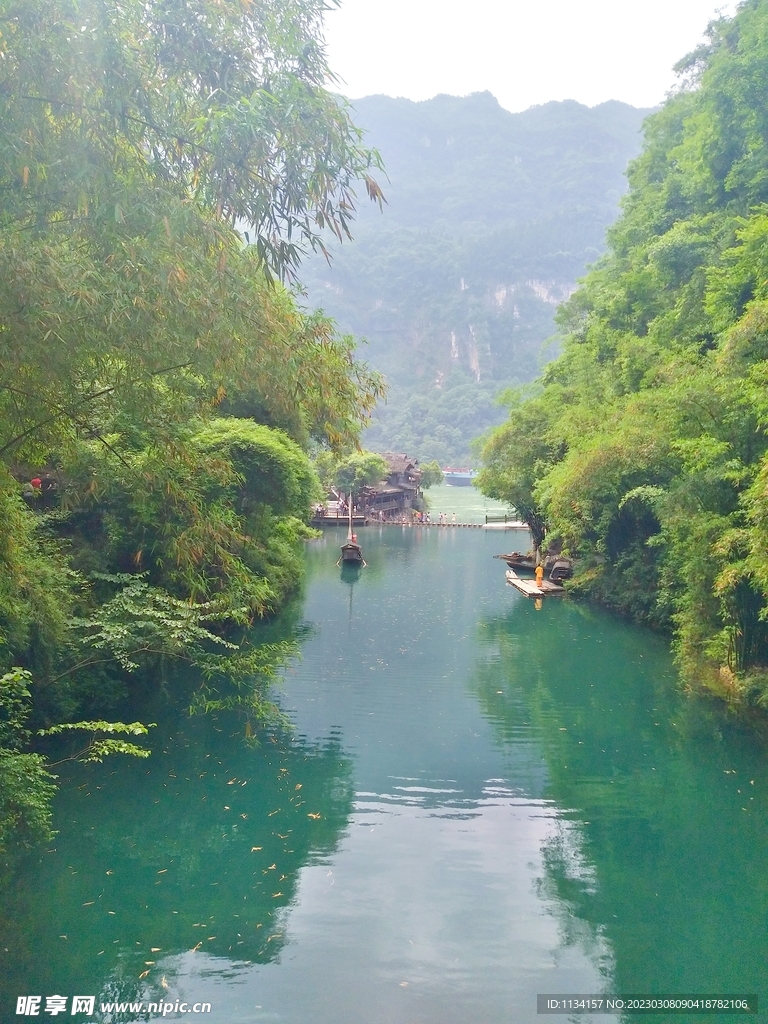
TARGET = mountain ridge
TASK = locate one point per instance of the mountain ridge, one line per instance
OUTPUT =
(491, 218)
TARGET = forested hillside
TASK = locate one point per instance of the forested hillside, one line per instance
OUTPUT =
(645, 448)
(490, 219)
(159, 388)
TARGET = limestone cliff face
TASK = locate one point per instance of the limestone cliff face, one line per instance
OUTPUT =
(491, 218)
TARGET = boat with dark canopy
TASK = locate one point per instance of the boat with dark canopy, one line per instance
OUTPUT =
(351, 552)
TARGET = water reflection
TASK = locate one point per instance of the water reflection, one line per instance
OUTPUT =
(197, 849)
(510, 801)
(350, 575)
(665, 797)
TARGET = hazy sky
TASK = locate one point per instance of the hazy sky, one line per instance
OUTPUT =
(523, 51)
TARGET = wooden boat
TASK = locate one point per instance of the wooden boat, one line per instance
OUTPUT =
(526, 563)
(351, 552)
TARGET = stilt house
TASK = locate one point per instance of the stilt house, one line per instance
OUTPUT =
(399, 493)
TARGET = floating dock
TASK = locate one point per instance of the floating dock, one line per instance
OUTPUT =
(531, 588)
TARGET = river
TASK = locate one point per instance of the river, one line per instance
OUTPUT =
(477, 801)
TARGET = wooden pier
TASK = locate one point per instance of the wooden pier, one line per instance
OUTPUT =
(531, 588)
(336, 519)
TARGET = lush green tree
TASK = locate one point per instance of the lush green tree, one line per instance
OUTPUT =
(645, 448)
(326, 462)
(514, 457)
(360, 470)
(134, 139)
(217, 516)
(431, 474)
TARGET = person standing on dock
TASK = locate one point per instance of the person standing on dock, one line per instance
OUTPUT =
(539, 575)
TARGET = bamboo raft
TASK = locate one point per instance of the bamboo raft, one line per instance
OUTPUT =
(530, 588)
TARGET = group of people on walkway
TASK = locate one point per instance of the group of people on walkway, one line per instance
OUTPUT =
(443, 518)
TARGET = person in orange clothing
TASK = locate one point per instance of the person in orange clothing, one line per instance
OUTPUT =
(539, 575)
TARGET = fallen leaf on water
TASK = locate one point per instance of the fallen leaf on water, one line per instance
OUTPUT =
(155, 949)
(297, 786)
(150, 963)
(227, 808)
(143, 975)
(110, 872)
(112, 912)
(162, 871)
(243, 815)
(314, 817)
(163, 982)
(272, 867)
(404, 984)
(195, 948)
(100, 952)
(211, 938)
(255, 848)
(89, 904)
(272, 812)
(276, 894)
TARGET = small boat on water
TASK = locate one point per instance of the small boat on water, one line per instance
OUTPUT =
(517, 561)
(351, 552)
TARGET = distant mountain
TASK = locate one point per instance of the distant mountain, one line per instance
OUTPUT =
(491, 218)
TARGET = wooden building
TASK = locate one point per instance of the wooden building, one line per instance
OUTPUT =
(400, 492)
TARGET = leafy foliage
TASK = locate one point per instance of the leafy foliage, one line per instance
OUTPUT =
(26, 787)
(431, 474)
(97, 749)
(360, 470)
(645, 447)
(163, 168)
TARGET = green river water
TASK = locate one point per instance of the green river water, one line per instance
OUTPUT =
(477, 802)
